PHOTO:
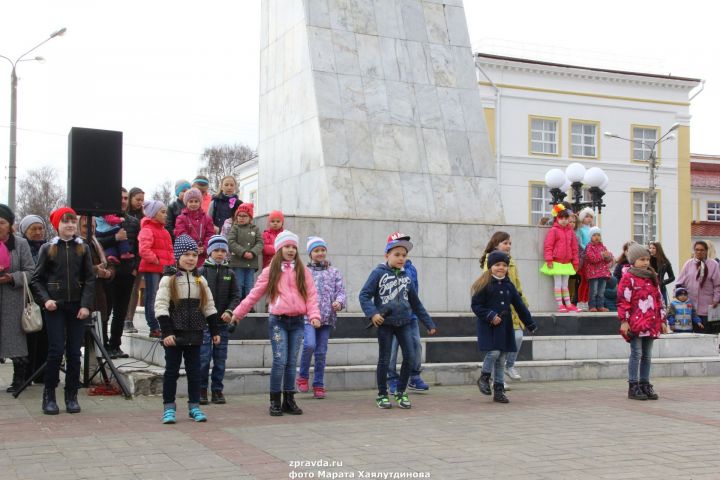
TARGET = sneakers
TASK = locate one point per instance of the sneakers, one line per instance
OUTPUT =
(593, 309)
(402, 400)
(218, 398)
(319, 392)
(155, 334)
(392, 386)
(417, 383)
(169, 416)
(197, 415)
(302, 384)
(129, 327)
(603, 309)
(203, 397)
(573, 308)
(383, 402)
(513, 373)
(562, 309)
(117, 353)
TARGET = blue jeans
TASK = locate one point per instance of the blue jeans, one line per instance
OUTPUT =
(417, 351)
(173, 358)
(65, 334)
(245, 280)
(597, 292)
(404, 334)
(316, 341)
(152, 283)
(219, 356)
(494, 364)
(286, 337)
(640, 359)
(512, 356)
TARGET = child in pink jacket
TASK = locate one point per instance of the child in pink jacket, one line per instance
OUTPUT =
(193, 221)
(561, 256)
(291, 297)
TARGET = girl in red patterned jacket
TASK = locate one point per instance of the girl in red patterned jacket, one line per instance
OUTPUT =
(561, 256)
(640, 309)
(597, 270)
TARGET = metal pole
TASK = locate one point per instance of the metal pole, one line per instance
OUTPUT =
(12, 166)
(650, 237)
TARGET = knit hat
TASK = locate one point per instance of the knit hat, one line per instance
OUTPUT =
(286, 237)
(184, 243)
(594, 230)
(217, 241)
(30, 220)
(680, 290)
(245, 208)
(584, 213)
(398, 239)
(181, 185)
(56, 215)
(635, 251)
(496, 256)
(276, 214)
(191, 194)
(152, 207)
(7, 214)
(315, 242)
(201, 180)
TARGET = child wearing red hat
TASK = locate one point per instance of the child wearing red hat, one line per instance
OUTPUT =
(65, 263)
(246, 246)
(276, 219)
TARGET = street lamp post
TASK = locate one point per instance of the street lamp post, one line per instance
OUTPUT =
(12, 164)
(576, 176)
(652, 167)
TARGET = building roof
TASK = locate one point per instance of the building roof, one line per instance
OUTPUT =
(705, 175)
(594, 69)
(705, 229)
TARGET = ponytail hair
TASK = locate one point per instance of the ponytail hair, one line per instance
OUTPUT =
(480, 284)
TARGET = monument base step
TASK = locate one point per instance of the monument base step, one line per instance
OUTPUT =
(148, 380)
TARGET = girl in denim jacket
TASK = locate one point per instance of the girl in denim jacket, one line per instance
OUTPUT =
(291, 297)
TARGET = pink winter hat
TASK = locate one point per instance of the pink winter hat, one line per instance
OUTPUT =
(286, 237)
(193, 193)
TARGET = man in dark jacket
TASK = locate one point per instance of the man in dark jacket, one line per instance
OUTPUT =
(120, 289)
(176, 206)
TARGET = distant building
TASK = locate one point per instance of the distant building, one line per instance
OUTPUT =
(705, 181)
(543, 115)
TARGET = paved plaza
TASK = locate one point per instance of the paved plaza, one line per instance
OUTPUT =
(553, 430)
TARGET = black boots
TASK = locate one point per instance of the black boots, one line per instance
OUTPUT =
(49, 405)
(483, 383)
(71, 402)
(636, 392)
(203, 396)
(275, 405)
(289, 405)
(499, 393)
(648, 390)
(218, 398)
(19, 371)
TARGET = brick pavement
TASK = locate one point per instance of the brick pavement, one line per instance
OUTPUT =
(558, 430)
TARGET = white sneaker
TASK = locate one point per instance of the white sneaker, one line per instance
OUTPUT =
(513, 373)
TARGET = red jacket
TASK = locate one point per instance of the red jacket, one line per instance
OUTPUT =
(561, 245)
(595, 265)
(198, 225)
(640, 304)
(269, 237)
(155, 245)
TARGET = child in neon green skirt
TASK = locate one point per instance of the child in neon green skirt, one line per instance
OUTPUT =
(561, 256)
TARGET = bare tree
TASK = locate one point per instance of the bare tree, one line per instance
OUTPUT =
(164, 192)
(221, 161)
(39, 193)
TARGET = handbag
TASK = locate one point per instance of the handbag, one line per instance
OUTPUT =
(32, 316)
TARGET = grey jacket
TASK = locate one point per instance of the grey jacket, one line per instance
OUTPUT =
(12, 301)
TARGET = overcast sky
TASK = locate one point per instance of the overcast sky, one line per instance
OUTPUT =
(179, 76)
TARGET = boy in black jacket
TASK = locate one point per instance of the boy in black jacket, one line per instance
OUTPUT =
(223, 285)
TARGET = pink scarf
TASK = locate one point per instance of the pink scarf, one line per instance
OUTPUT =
(4, 258)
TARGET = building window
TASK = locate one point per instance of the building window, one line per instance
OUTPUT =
(640, 217)
(540, 199)
(643, 138)
(253, 197)
(545, 136)
(713, 211)
(583, 139)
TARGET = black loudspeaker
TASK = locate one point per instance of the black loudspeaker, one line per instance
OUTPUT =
(94, 171)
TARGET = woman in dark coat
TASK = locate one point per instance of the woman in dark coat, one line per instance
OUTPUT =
(662, 266)
(16, 266)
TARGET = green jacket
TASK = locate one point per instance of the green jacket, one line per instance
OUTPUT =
(241, 239)
(514, 277)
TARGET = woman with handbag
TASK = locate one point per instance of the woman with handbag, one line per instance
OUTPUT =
(16, 267)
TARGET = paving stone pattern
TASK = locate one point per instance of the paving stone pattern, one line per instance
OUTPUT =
(553, 430)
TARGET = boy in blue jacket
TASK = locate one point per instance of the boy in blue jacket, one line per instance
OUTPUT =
(389, 299)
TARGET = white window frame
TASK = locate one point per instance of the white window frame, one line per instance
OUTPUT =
(549, 138)
(714, 207)
(584, 140)
(638, 229)
(640, 152)
(534, 215)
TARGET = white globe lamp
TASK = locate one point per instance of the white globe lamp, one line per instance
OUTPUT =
(575, 172)
(594, 177)
(555, 178)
